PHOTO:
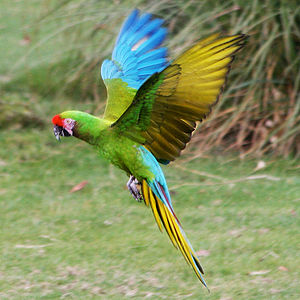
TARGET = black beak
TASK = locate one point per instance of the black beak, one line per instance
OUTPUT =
(59, 131)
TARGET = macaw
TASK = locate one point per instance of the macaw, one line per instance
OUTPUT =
(152, 108)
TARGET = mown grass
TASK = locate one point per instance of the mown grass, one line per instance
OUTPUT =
(98, 243)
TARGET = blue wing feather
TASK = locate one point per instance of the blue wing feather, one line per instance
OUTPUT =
(131, 19)
(136, 55)
(157, 63)
(149, 28)
(155, 54)
(154, 41)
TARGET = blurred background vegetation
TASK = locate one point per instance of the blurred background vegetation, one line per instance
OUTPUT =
(53, 50)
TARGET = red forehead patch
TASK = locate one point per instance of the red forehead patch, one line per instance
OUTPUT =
(57, 120)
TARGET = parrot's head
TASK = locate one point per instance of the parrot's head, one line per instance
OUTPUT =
(78, 124)
(63, 126)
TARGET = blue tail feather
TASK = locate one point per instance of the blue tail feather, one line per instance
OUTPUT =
(155, 168)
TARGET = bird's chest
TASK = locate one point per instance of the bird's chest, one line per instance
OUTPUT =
(126, 155)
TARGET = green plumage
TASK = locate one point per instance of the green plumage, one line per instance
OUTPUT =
(117, 89)
(138, 115)
(116, 148)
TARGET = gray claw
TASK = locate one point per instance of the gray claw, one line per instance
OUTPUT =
(132, 186)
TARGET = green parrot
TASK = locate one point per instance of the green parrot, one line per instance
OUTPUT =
(152, 109)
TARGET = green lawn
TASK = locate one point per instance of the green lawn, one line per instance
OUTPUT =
(98, 243)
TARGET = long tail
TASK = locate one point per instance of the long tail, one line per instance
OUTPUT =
(158, 198)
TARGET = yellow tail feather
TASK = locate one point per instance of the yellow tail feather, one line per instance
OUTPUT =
(154, 209)
(163, 215)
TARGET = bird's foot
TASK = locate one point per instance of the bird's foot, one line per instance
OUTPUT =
(133, 186)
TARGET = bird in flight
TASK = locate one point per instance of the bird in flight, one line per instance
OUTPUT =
(153, 106)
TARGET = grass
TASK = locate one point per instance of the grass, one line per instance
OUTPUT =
(98, 243)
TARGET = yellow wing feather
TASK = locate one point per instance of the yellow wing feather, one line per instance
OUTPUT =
(191, 86)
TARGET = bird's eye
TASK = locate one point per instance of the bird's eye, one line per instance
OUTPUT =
(68, 121)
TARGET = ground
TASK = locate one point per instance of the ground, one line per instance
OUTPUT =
(98, 243)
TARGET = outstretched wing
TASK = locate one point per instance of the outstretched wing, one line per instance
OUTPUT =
(165, 109)
(136, 56)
